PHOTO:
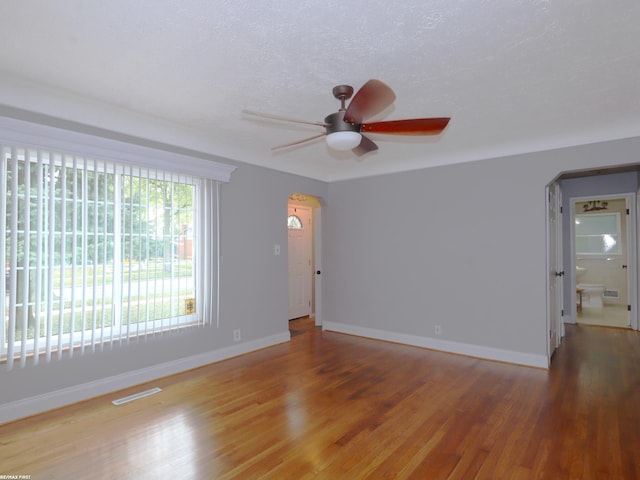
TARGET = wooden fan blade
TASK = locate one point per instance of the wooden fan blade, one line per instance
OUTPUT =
(371, 99)
(366, 146)
(283, 119)
(299, 141)
(415, 126)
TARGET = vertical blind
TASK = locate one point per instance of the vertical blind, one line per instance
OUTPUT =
(99, 254)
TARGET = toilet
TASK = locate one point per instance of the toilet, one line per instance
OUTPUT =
(592, 294)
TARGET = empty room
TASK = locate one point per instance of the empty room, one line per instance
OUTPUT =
(319, 240)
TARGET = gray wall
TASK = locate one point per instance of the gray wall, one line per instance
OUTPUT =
(254, 281)
(461, 246)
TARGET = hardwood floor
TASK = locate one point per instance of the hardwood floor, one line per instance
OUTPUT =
(333, 406)
(302, 325)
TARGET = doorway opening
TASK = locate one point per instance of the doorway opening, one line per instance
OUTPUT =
(602, 245)
(566, 273)
(600, 254)
(303, 226)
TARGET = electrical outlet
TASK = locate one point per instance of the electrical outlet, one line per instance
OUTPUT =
(438, 330)
(236, 335)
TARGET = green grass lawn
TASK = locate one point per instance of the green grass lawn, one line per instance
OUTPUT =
(88, 314)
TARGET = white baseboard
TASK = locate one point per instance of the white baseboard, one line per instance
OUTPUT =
(478, 351)
(59, 398)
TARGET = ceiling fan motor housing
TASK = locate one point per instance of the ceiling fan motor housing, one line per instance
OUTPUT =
(335, 123)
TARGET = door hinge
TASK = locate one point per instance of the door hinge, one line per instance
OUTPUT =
(562, 313)
(628, 308)
(560, 208)
(627, 211)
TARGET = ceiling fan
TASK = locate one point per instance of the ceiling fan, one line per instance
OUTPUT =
(345, 128)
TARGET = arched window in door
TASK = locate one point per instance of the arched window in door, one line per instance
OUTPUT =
(294, 222)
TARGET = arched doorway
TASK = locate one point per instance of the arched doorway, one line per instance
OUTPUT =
(303, 224)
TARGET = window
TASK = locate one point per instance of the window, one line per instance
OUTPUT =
(598, 234)
(98, 253)
(294, 222)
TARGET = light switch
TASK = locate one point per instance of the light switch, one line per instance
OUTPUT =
(276, 249)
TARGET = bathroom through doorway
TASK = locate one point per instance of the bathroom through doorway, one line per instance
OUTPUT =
(602, 237)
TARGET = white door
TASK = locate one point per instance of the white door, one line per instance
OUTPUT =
(632, 260)
(561, 281)
(632, 271)
(554, 268)
(317, 252)
(299, 247)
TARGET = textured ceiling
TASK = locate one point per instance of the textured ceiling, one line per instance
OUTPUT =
(514, 75)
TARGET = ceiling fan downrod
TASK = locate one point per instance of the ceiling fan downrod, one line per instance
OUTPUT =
(343, 93)
(336, 122)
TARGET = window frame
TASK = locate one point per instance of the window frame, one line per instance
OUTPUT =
(298, 226)
(618, 235)
(126, 151)
(119, 327)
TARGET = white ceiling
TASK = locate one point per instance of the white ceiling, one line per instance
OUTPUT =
(514, 75)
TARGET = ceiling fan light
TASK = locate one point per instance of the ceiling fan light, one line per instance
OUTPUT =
(343, 140)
